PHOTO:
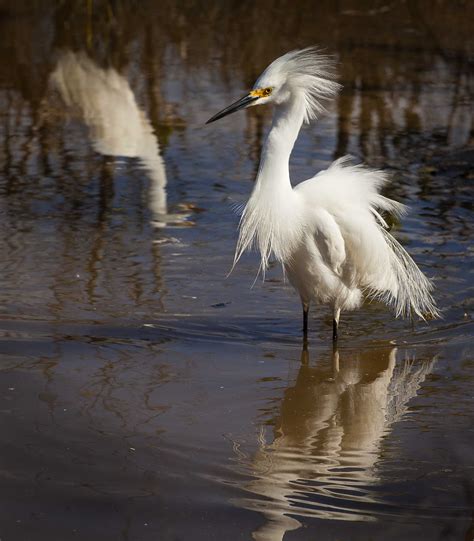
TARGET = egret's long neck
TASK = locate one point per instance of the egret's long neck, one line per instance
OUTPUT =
(268, 218)
(274, 165)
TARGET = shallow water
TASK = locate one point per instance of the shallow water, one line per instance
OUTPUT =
(146, 394)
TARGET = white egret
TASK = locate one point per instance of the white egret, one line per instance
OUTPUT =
(118, 127)
(328, 232)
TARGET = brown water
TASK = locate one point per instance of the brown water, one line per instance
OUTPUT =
(145, 395)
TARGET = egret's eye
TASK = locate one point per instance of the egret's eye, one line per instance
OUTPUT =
(262, 92)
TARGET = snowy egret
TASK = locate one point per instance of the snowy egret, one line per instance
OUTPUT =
(118, 127)
(328, 232)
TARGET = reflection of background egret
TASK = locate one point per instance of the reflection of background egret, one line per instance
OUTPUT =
(327, 232)
(118, 127)
(328, 438)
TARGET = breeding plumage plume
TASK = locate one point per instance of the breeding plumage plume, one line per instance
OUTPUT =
(328, 232)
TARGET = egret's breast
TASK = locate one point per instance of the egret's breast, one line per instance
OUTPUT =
(309, 274)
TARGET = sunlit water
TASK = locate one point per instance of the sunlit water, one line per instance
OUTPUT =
(146, 394)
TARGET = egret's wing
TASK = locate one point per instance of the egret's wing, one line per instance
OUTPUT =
(377, 262)
(329, 241)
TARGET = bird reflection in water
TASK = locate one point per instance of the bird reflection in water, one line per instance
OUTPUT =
(117, 126)
(328, 439)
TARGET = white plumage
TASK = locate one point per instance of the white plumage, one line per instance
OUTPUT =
(328, 231)
(118, 127)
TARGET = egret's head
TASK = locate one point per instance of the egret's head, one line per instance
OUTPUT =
(305, 74)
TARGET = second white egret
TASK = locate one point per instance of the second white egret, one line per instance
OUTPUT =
(328, 232)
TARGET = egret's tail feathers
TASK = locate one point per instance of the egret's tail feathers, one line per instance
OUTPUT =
(412, 292)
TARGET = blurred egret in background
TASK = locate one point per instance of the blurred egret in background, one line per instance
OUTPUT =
(118, 127)
(328, 232)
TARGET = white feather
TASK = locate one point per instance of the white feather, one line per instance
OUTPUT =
(308, 72)
(328, 232)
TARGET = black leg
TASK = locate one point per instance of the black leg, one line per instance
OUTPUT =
(334, 330)
(305, 320)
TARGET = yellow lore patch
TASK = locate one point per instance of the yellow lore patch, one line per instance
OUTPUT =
(261, 92)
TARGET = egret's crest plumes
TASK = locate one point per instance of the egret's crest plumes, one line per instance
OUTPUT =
(306, 72)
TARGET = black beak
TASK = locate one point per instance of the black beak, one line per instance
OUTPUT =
(239, 104)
